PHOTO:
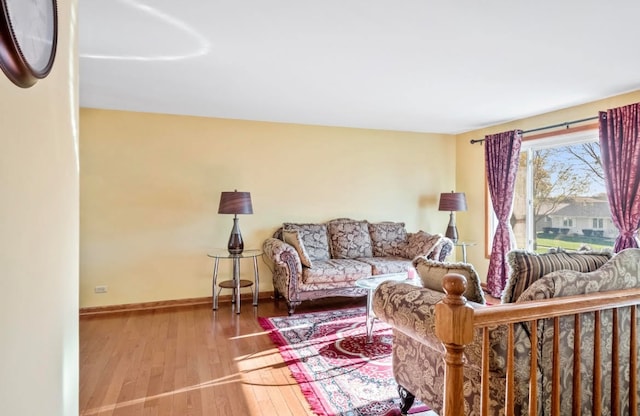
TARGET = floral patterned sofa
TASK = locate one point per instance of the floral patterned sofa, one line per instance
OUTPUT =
(418, 355)
(312, 261)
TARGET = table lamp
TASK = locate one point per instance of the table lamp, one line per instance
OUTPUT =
(452, 201)
(235, 203)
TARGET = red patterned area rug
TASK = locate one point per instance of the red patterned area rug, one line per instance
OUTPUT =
(338, 372)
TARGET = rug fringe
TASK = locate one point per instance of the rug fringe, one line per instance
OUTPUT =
(307, 390)
(274, 334)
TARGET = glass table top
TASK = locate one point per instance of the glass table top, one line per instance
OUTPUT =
(223, 253)
(375, 281)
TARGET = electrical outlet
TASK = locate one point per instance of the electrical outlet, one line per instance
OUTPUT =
(100, 289)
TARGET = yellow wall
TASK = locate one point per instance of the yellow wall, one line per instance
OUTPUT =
(150, 186)
(470, 168)
(39, 237)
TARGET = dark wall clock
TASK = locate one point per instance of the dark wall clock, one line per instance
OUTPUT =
(28, 39)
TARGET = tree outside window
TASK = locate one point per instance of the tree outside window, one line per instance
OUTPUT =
(560, 198)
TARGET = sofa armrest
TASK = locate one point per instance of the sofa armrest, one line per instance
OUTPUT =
(276, 252)
(442, 250)
(411, 310)
(431, 246)
(284, 262)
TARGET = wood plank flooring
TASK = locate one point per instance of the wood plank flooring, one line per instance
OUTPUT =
(189, 361)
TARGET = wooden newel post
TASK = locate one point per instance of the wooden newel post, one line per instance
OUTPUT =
(454, 327)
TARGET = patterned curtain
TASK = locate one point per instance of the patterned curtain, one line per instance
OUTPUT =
(620, 150)
(502, 152)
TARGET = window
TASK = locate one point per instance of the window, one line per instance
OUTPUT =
(560, 198)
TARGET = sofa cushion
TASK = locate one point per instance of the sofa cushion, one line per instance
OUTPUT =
(349, 239)
(421, 244)
(336, 271)
(432, 272)
(388, 238)
(314, 238)
(527, 267)
(294, 238)
(386, 265)
(622, 272)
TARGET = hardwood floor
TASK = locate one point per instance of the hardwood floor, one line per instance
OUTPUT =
(188, 361)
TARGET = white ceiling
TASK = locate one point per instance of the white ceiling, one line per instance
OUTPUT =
(441, 66)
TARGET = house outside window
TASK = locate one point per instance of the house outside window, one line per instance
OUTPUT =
(560, 198)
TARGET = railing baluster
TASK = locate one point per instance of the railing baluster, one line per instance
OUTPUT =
(615, 365)
(533, 371)
(577, 379)
(597, 362)
(484, 398)
(510, 395)
(555, 375)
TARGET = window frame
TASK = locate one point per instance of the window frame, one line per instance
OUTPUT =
(568, 136)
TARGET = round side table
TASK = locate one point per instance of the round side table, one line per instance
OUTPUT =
(235, 283)
(464, 246)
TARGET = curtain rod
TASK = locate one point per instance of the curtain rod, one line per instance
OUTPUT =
(565, 124)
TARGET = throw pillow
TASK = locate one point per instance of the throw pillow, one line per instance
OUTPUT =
(294, 238)
(388, 238)
(314, 239)
(421, 244)
(432, 272)
(349, 239)
(527, 267)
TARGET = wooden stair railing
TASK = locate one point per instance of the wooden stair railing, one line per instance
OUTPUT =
(456, 322)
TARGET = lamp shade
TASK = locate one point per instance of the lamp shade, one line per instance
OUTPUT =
(452, 201)
(235, 203)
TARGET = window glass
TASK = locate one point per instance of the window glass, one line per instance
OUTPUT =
(560, 198)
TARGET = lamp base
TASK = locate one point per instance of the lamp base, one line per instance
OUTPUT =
(236, 245)
(452, 233)
(452, 230)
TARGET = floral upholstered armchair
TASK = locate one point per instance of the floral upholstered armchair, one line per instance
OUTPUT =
(418, 364)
